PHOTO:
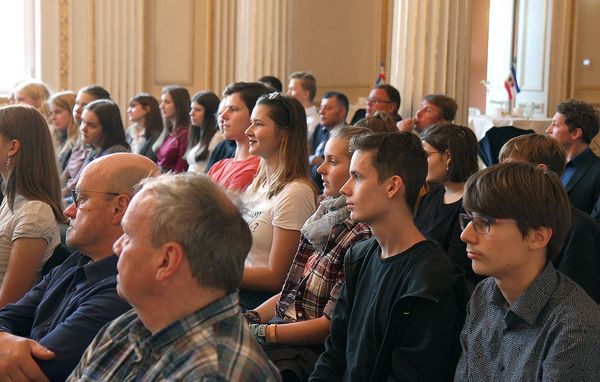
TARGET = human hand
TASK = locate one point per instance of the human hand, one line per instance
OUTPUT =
(406, 124)
(17, 361)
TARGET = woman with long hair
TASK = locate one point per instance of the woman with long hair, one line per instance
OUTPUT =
(175, 109)
(302, 309)
(35, 94)
(281, 197)
(102, 129)
(451, 159)
(202, 137)
(64, 128)
(147, 125)
(32, 207)
(74, 165)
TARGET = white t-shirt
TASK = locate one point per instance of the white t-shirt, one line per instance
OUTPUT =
(29, 219)
(190, 155)
(312, 120)
(288, 210)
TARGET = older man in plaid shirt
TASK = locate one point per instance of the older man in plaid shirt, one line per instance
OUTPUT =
(181, 259)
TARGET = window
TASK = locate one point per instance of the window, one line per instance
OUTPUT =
(17, 31)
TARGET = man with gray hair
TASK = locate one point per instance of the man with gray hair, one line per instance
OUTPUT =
(181, 259)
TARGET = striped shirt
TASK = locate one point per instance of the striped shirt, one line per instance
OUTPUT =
(551, 333)
(315, 278)
(212, 344)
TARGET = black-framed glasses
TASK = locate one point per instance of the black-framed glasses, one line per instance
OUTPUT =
(481, 224)
(375, 101)
(75, 195)
(279, 96)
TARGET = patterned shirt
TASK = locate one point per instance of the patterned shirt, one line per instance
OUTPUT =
(551, 333)
(212, 344)
(315, 278)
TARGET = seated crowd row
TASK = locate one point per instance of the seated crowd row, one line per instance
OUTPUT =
(352, 251)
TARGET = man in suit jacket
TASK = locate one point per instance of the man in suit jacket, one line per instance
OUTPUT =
(574, 126)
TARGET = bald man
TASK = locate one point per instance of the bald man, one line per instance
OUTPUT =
(43, 336)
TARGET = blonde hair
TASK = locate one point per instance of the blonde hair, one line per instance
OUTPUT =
(38, 92)
(65, 100)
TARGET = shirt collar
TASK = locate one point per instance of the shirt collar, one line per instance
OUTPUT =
(579, 159)
(529, 305)
(217, 311)
(99, 269)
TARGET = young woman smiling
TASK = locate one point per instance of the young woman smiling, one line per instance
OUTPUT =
(280, 198)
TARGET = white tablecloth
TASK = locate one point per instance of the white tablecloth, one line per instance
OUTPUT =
(480, 124)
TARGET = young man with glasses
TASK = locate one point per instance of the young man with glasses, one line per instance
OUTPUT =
(45, 333)
(400, 311)
(527, 322)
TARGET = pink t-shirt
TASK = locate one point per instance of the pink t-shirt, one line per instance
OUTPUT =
(170, 155)
(234, 175)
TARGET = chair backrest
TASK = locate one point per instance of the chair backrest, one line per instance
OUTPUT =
(494, 139)
(60, 254)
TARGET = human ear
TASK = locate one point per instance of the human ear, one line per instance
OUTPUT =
(395, 184)
(171, 257)
(538, 238)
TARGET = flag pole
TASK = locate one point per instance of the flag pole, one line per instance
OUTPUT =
(514, 47)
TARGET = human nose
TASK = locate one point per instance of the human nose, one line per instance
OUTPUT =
(549, 129)
(322, 169)
(468, 234)
(346, 189)
(250, 130)
(70, 211)
(118, 246)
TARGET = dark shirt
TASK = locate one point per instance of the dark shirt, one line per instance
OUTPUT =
(66, 310)
(319, 139)
(223, 150)
(551, 333)
(582, 182)
(439, 222)
(397, 318)
(579, 257)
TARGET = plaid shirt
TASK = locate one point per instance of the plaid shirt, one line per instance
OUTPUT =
(315, 278)
(214, 343)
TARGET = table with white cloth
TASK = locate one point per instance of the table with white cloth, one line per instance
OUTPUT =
(480, 124)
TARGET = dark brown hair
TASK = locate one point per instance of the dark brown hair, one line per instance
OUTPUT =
(535, 149)
(524, 193)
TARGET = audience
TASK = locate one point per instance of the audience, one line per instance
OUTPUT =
(527, 322)
(303, 87)
(313, 283)
(280, 198)
(147, 125)
(102, 129)
(33, 93)
(203, 135)
(32, 208)
(46, 332)
(333, 112)
(451, 158)
(237, 173)
(401, 308)
(579, 257)
(64, 128)
(179, 268)
(271, 82)
(384, 98)
(435, 108)
(574, 125)
(79, 151)
(170, 148)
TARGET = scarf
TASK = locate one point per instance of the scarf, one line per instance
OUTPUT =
(331, 211)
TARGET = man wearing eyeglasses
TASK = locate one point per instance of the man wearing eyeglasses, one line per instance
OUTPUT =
(43, 336)
(385, 98)
(527, 322)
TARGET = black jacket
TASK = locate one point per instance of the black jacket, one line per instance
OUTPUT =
(397, 318)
